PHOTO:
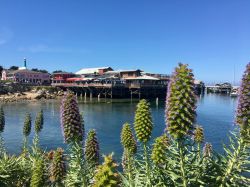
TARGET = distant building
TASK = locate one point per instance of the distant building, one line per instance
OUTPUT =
(23, 75)
(138, 78)
(93, 71)
(125, 73)
(157, 75)
(61, 77)
(26, 76)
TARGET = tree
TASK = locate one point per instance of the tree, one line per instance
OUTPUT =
(39, 70)
(13, 68)
(57, 71)
(1, 69)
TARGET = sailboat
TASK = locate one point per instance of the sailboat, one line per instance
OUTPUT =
(235, 89)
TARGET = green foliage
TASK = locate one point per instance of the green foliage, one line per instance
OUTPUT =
(10, 171)
(39, 70)
(128, 140)
(38, 178)
(159, 150)
(235, 169)
(2, 119)
(106, 175)
(143, 123)
(181, 102)
(27, 125)
(77, 174)
(13, 68)
(39, 122)
(92, 149)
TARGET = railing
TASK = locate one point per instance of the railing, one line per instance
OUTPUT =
(145, 85)
(109, 85)
(82, 85)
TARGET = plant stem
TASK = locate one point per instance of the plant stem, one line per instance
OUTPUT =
(36, 142)
(129, 169)
(147, 164)
(182, 162)
(199, 151)
(2, 148)
(25, 142)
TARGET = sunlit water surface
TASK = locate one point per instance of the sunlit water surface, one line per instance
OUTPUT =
(215, 113)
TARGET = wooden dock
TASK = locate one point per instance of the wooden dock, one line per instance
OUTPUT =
(115, 90)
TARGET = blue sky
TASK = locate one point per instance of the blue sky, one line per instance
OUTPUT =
(211, 36)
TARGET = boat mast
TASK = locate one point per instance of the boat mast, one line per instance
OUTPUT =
(234, 76)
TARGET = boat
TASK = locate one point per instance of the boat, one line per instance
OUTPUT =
(234, 93)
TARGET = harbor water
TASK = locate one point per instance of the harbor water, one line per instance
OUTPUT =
(214, 112)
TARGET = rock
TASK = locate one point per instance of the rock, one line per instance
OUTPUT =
(17, 95)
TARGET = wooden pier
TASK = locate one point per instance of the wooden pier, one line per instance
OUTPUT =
(224, 88)
(115, 90)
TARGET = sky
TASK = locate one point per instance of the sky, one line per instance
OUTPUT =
(212, 36)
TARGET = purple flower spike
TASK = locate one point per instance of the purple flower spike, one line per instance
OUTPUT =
(71, 120)
(243, 110)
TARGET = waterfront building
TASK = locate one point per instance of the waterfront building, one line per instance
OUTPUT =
(105, 82)
(93, 71)
(145, 81)
(125, 73)
(61, 77)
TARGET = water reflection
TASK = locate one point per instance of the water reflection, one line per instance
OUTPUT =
(215, 114)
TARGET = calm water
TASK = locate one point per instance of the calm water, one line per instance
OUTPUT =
(215, 114)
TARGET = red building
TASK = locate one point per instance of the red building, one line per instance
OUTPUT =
(61, 77)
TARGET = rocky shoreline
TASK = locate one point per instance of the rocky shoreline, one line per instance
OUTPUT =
(33, 95)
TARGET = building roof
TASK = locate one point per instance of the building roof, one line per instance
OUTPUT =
(143, 77)
(28, 71)
(90, 70)
(121, 71)
(107, 76)
(22, 68)
(63, 72)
